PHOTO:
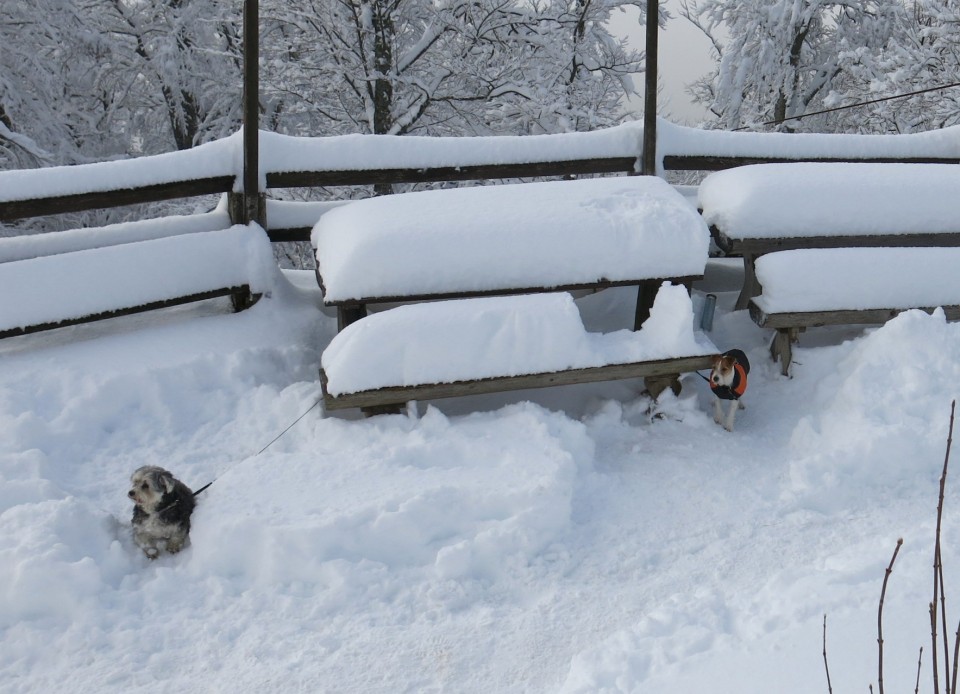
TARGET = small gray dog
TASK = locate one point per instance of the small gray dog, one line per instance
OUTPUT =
(161, 512)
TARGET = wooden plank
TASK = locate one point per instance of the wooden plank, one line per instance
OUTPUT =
(759, 246)
(290, 235)
(241, 295)
(434, 391)
(410, 298)
(701, 162)
(571, 167)
(813, 319)
(60, 204)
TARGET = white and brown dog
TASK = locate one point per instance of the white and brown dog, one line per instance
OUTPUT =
(728, 381)
(161, 512)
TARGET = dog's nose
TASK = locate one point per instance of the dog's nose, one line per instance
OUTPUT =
(716, 379)
(131, 494)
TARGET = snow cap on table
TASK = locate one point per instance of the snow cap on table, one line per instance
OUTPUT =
(833, 199)
(549, 234)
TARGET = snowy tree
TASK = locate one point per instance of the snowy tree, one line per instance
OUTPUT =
(783, 57)
(453, 67)
(921, 59)
(85, 80)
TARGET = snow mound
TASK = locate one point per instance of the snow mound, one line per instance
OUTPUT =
(452, 500)
(882, 416)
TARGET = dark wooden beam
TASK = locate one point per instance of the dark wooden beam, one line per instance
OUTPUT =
(254, 204)
(572, 167)
(697, 162)
(434, 391)
(61, 204)
(649, 164)
(241, 295)
(506, 291)
(760, 246)
(816, 319)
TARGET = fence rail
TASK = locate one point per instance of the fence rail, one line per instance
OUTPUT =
(60, 204)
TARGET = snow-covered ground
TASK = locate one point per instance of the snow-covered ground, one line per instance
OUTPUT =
(564, 540)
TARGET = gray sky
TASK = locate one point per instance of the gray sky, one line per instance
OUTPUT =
(684, 56)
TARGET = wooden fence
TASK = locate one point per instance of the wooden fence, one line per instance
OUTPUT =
(60, 204)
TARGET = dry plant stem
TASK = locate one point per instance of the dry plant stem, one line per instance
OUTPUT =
(937, 563)
(946, 636)
(933, 653)
(825, 665)
(883, 593)
(916, 689)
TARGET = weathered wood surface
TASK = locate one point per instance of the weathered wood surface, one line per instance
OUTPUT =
(816, 319)
(572, 167)
(60, 204)
(506, 291)
(241, 298)
(705, 162)
(759, 246)
(394, 396)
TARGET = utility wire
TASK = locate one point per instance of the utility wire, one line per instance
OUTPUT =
(861, 103)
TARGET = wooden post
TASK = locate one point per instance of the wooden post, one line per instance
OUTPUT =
(252, 203)
(648, 161)
(648, 164)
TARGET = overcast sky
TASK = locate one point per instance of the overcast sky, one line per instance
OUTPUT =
(684, 56)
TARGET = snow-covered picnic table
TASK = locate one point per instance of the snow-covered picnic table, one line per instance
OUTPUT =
(476, 243)
(508, 239)
(850, 286)
(753, 210)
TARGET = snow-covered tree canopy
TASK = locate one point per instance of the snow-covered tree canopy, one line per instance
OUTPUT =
(783, 57)
(94, 79)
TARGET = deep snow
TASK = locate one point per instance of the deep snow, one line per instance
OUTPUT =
(564, 540)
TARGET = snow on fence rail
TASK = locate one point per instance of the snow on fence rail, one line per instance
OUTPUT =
(349, 160)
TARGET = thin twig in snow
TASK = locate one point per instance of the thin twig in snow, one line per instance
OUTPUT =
(883, 593)
(825, 665)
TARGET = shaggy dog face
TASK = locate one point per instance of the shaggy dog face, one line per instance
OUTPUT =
(161, 512)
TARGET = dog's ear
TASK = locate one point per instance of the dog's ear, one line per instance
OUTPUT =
(716, 360)
(165, 479)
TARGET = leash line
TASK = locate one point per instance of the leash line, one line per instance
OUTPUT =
(278, 437)
(275, 439)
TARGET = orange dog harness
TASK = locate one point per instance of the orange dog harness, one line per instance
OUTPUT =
(736, 389)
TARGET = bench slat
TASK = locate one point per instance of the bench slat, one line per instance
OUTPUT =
(816, 319)
(599, 284)
(242, 299)
(397, 395)
(759, 246)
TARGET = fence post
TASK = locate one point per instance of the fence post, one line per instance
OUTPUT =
(648, 165)
(251, 204)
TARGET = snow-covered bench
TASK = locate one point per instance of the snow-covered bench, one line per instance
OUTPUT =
(508, 239)
(93, 283)
(850, 286)
(753, 210)
(476, 243)
(474, 346)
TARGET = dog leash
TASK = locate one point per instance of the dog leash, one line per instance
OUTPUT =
(275, 439)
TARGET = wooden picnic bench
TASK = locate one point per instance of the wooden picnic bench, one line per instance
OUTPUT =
(850, 286)
(90, 282)
(765, 208)
(518, 239)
